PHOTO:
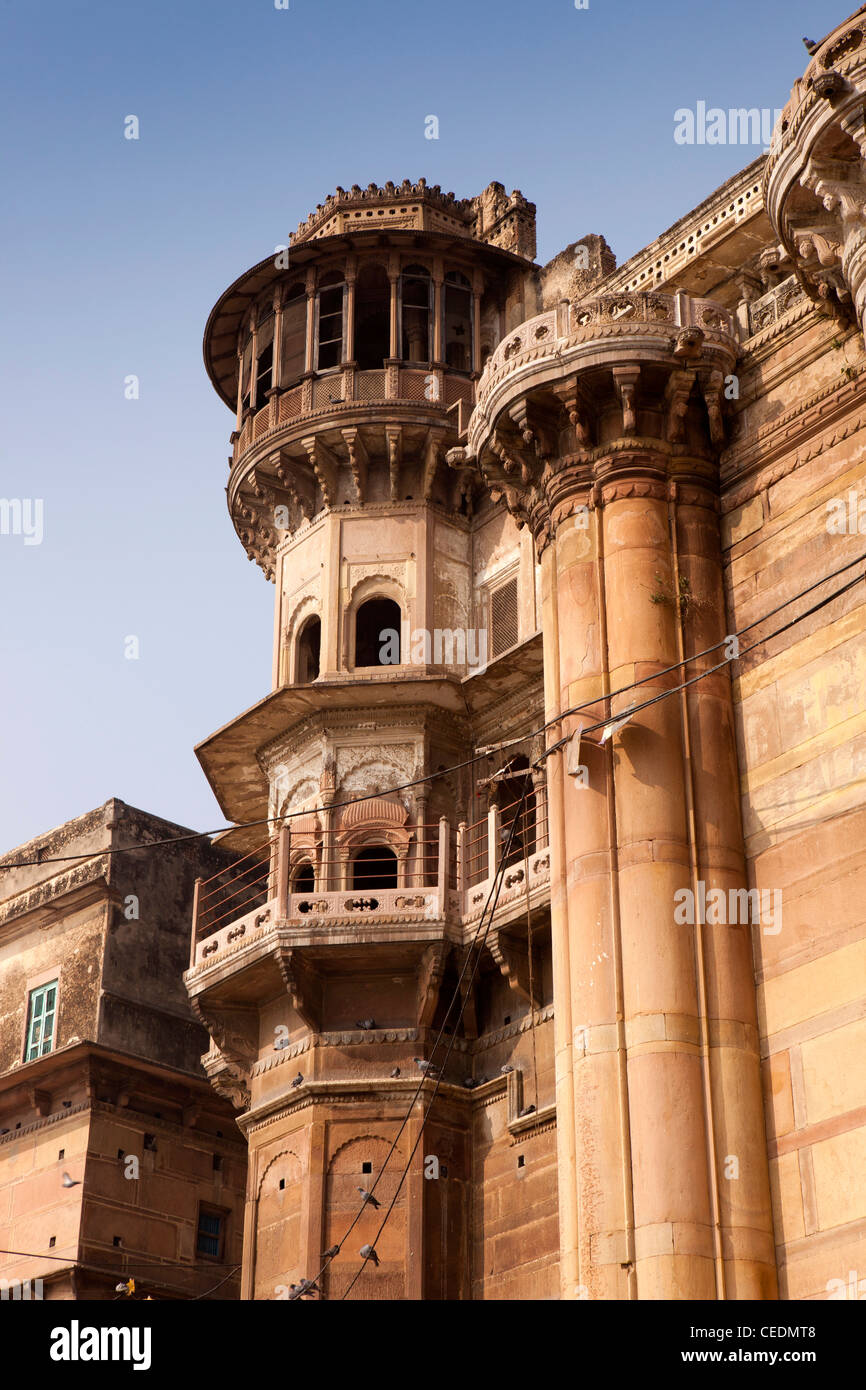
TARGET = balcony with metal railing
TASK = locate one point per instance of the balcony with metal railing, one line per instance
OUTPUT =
(445, 879)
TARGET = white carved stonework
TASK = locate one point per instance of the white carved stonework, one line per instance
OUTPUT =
(358, 572)
(377, 766)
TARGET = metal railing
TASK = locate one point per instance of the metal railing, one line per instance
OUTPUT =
(430, 874)
(232, 892)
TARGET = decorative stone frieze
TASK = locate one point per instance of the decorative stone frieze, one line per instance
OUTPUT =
(814, 181)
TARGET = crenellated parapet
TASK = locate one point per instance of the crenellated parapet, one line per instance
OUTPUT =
(815, 177)
(607, 390)
(503, 220)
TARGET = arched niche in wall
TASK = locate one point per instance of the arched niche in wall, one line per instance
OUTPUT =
(357, 1163)
(389, 616)
(305, 852)
(308, 650)
(373, 843)
(279, 1203)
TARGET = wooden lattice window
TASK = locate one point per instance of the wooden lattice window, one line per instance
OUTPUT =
(503, 618)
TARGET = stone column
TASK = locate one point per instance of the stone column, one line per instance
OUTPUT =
(277, 372)
(477, 287)
(438, 282)
(349, 340)
(394, 282)
(311, 320)
(663, 1045)
(663, 1182)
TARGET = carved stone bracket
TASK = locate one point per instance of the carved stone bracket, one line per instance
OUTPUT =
(626, 380)
(677, 393)
(394, 443)
(358, 461)
(430, 973)
(303, 985)
(513, 963)
(325, 466)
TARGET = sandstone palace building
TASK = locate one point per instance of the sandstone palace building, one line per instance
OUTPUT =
(544, 918)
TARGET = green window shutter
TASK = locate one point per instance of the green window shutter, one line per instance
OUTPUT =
(42, 1011)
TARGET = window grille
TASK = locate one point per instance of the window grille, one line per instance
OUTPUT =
(503, 618)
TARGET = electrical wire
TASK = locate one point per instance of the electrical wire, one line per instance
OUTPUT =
(207, 1293)
(457, 991)
(139, 1259)
(497, 884)
(483, 753)
(495, 887)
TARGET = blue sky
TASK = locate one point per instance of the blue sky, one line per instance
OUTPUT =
(115, 250)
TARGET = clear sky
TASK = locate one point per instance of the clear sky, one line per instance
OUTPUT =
(115, 250)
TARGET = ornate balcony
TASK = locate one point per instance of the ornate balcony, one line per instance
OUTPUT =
(443, 882)
(605, 387)
(600, 332)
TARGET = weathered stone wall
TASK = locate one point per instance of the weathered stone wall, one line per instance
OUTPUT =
(800, 444)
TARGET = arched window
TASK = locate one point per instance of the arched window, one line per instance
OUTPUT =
(372, 317)
(415, 317)
(247, 374)
(308, 651)
(304, 879)
(375, 867)
(329, 322)
(377, 633)
(264, 374)
(294, 329)
(457, 334)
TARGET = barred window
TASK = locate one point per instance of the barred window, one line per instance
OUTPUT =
(503, 618)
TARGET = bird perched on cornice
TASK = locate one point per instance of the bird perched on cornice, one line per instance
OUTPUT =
(428, 1068)
(811, 46)
(366, 1024)
(298, 1079)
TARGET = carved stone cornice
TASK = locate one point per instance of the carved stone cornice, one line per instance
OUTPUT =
(91, 872)
(792, 439)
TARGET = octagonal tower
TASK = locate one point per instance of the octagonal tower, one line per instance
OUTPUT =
(406, 635)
